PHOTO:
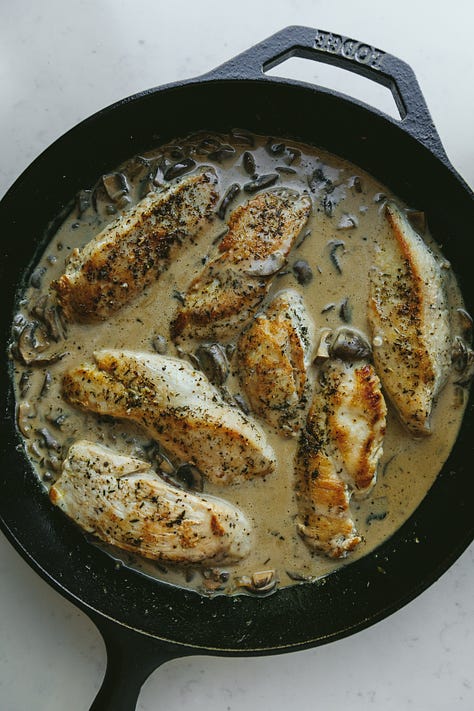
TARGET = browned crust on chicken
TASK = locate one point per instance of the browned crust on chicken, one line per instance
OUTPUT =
(355, 420)
(409, 316)
(273, 358)
(338, 454)
(178, 407)
(131, 252)
(263, 225)
(324, 518)
(122, 501)
(222, 299)
(218, 304)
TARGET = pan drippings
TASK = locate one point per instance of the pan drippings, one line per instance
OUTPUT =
(325, 271)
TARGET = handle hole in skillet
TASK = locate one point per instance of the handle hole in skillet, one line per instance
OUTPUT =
(330, 77)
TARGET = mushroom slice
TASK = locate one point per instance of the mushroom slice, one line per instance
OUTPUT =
(409, 317)
(178, 407)
(122, 501)
(227, 293)
(274, 357)
(131, 252)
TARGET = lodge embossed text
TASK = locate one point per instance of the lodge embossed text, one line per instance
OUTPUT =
(349, 48)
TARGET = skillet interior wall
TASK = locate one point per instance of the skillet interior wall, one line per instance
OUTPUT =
(343, 601)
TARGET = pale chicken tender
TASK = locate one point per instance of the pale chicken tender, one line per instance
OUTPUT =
(122, 501)
(178, 407)
(274, 355)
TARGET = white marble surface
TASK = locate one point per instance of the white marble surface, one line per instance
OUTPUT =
(61, 61)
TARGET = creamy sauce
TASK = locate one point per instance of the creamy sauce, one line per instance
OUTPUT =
(348, 208)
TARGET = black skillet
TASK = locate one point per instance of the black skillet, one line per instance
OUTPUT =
(144, 622)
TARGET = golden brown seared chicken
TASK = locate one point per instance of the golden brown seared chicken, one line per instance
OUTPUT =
(178, 407)
(229, 290)
(409, 317)
(324, 518)
(356, 413)
(131, 252)
(341, 446)
(274, 357)
(122, 501)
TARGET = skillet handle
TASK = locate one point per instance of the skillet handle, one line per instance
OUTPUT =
(131, 658)
(346, 53)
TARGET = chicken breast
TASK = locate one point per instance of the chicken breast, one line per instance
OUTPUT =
(178, 407)
(122, 501)
(355, 421)
(340, 447)
(229, 290)
(324, 518)
(409, 317)
(274, 355)
(131, 252)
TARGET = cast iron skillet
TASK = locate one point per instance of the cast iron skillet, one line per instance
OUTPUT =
(144, 622)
